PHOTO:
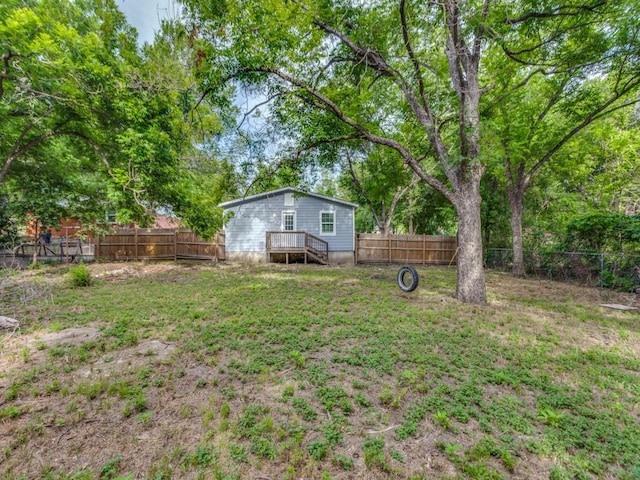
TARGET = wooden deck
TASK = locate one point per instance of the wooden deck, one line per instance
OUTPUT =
(289, 245)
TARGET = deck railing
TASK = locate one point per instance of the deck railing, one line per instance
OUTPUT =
(297, 241)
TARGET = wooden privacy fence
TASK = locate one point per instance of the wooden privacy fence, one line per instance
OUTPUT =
(409, 249)
(158, 244)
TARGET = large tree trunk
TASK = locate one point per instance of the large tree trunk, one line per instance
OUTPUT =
(470, 287)
(516, 187)
(516, 206)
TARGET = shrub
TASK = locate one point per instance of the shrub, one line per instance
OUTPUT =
(80, 276)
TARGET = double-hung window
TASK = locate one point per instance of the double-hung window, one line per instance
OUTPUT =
(289, 221)
(327, 223)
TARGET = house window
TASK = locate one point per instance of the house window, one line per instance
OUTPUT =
(288, 221)
(111, 217)
(327, 223)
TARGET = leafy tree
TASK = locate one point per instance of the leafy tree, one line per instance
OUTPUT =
(98, 120)
(566, 67)
(377, 178)
(604, 232)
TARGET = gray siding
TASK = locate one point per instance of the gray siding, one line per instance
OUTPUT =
(246, 231)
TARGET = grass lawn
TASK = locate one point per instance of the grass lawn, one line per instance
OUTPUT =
(211, 371)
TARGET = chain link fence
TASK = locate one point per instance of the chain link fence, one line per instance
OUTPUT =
(618, 272)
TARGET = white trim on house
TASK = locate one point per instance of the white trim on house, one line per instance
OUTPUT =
(294, 225)
(273, 193)
(327, 222)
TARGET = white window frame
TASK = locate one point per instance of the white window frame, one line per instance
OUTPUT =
(333, 214)
(295, 222)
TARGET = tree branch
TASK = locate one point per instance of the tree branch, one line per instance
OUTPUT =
(407, 45)
(561, 11)
(358, 184)
(421, 111)
(331, 107)
(326, 141)
(602, 111)
(256, 106)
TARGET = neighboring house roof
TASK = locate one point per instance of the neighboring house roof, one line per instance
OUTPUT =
(272, 193)
(164, 221)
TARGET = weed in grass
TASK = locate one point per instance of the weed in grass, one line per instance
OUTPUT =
(238, 453)
(333, 432)
(288, 392)
(509, 414)
(80, 276)
(111, 468)
(145, 417)
(332, 397)
(318, 449)
(442, 419)
(362, 400)
(559, 473)
(224, 426)
(25, 353)
(386, 396)
(186, 411)
(318, 374)
(263, 447)
(12, 392)
(358, 384)
(373, 448)
(11, 412)
(302, 408)
(342, 461)
(299, 360)
(201, 383)
(397, 456)
(550, 417)
(92, 390)
(136, 404)
(53, 387)
(207, 417)
(228, 392)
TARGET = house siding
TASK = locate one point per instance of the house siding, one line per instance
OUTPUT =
(246, 230)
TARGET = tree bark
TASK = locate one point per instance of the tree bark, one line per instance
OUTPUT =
(516, 205)
(470, 286)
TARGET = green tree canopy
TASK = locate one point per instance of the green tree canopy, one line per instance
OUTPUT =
(88, 120)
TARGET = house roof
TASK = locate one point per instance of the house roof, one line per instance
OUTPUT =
(272, 193)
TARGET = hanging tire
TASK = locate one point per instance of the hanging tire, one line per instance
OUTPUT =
(408, 278)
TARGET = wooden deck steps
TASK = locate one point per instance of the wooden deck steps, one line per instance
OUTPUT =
(297, 245)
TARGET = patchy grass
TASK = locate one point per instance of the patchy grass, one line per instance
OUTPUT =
(205, 371)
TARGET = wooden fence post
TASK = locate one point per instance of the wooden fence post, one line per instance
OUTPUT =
(135, 244)
(96, 247)
(175, 244)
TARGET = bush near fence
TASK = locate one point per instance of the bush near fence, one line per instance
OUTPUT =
(615, 271)
(158, 244)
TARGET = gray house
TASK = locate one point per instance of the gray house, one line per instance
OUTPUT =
(288, 224)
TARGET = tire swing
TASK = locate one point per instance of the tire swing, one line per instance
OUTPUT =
(408, 278)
